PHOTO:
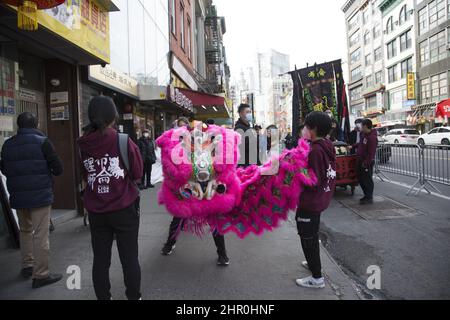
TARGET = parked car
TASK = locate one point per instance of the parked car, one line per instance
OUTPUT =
(384, 151)
(402, 136)
(436, 137)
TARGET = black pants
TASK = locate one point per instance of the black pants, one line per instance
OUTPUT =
(147, 176)
(365, 179)
(175, 226)
(308, 224)
(125, 225)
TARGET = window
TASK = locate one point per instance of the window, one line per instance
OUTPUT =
(378, 54)
(355, 56)
(437, 13)
(392, 74)
(376, 31)
(356, 93)
(378, 77)
(439, 88)
(425, 90)
(356, 73)
(189, 46)
(438, 49)
(182, 17)
(371, 102)
(444, 130)
(353, 22)
(407, 66)
(390, 25)
(173, 21)
(424, 49)
(403, 15)
(392, 49)
(368, 59)
(354, 39)
(396, 99)
(367, 38)
(369, 81)
(366, 16)
(405, 41)
(423, 21)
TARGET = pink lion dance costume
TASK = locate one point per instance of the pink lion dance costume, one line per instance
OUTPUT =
(203, 185)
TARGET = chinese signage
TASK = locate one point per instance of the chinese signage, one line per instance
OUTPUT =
(85, 23)
(7, 87)
(114, 79)
(443, 109)
(411, 86)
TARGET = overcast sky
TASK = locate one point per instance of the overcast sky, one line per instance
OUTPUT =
(309, 31)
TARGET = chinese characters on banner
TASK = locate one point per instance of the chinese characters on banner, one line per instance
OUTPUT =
(411, 86)
(102, 171)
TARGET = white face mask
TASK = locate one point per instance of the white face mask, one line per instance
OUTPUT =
(306, 134)
(146, 135)
(249, 117)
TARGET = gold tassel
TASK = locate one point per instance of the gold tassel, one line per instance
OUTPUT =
(27, 16)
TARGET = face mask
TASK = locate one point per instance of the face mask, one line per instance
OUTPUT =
(330, 115)
(146, 135)
(249, 117)
(306, 134)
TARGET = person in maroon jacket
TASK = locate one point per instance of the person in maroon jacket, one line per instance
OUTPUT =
(366, 151)
(111, 198)
(314, 200)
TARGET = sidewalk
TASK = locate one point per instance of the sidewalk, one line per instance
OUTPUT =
(261, 268)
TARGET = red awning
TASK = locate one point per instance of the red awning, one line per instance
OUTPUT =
(203, 99)
(443, 109)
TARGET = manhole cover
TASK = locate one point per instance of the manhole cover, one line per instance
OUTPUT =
(382, 209)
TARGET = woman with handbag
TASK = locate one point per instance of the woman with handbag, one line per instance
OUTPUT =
(111, 197)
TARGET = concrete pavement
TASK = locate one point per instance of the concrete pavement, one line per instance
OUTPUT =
(261, 268)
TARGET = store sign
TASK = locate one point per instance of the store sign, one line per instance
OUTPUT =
(183, 73)
(180, 99)
(411, 86)
(7, 87)
(443, 109)
(114, 79)
(85, 23)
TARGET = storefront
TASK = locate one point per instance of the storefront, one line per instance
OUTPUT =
(423, 117)
(39, 73)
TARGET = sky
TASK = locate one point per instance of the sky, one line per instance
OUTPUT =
(309, 31)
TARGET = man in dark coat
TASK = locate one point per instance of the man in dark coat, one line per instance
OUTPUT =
(29, 161)
(147, 147)
(243, 127)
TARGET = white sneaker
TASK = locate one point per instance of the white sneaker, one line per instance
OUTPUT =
(312, 283)
(305, 265)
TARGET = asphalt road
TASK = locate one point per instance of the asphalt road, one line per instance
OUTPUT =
(412, 252)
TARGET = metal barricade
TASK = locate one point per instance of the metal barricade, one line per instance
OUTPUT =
(428, 164)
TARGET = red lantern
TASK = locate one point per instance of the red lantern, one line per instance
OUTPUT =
(27, 11)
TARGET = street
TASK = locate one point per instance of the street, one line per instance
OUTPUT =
(261, 268)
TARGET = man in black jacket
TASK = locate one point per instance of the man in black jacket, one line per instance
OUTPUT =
(147, 147)
(243, 125)
(29, 161)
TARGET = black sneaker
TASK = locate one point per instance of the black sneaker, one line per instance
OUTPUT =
(167, 249)
(223, 260)
(51, 279)
(27, 273)
(366, 201)
(151, 186)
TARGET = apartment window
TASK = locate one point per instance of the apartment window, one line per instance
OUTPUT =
(425, 90)
(369, 81)
(356, 93)
(437, 13)
(356, 74)
(396, 98)
(189, 46)
(423, 21)
(367, 38)
(378, 54)
(392, 74)
(376, 31)
(355, 56)
(378, 77)
(182, 17)
(392, 49)
(439, 89)
(438, 44)
(368, 59)
(405, 41)
(407, 67)
(366, 16)
(403, 15)
(424, 49)
(354, 39)
(390, 25)
(173, 21)
(371, 102)
(353, 22)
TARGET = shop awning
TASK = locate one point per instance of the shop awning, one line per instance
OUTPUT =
(207, 106)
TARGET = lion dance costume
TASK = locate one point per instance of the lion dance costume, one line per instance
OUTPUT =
(204, 186)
